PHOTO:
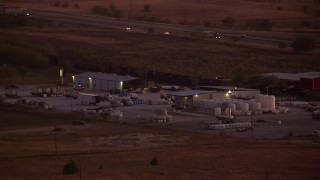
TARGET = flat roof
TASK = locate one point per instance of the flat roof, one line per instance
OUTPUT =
(103, 76)
(227, 88)
(293, 77)
(190, 92)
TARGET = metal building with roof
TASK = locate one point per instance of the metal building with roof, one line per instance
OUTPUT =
(307, 80)
(189, 98)
(101, 81)
(311, 82)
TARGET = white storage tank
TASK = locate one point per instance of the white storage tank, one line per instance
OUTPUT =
(217, 111)
(227, 111)
(232, 106)
(244, 107)
(271, 103)
(255, 106)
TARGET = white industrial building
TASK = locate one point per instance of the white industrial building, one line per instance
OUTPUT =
(225, 99)
(101, 81)
(233, 92)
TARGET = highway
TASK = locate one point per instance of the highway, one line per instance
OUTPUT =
(142, 26)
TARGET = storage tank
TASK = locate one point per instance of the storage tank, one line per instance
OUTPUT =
(227, 111)
(232, 106)
(271, 103)
(217, 111)
(244, 107)
(255, 106)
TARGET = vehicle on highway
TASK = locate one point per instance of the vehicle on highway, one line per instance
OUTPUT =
(216, 36)
(128, 28)
(77, 122)
(167, 32)
(14, 11)
(210, 34)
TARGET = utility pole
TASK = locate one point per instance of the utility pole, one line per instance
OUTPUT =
(4, 73)
(252, 127)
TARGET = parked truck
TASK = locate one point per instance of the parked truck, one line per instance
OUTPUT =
(88, 99)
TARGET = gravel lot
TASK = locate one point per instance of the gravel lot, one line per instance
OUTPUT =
(295, 122)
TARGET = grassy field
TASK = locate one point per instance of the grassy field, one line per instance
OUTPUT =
(198, 57)
(287, 14)
(113, 150)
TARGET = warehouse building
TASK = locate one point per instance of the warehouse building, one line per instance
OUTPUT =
(233, 92)
(101, 81)
(311, 82)
(307, 80)
(189, 98)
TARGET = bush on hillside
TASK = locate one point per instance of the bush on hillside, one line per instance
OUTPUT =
(70, 168)
(259, 24)
(300, 44)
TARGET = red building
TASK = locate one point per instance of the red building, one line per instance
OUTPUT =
(311, 82)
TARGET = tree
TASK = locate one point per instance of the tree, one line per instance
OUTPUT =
(154, 161)
(147, 8)
(300, 44)
(70, 168)
(259, 24)
(228, 21)
(150, 30)
(282, 45)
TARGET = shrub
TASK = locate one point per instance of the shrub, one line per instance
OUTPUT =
(147, 8)
(70, 168)
(235, 38)
(206, 23)
(300, 44)
(282, 45)
(56, 4)
(65, 5)
(150, 30)
(154, 161)
(101, 10)
(259, 24)
(228, 21)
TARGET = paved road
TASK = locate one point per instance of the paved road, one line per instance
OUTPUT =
(142, 26)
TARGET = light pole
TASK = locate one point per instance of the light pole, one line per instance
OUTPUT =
(252, 127)
(4, 73)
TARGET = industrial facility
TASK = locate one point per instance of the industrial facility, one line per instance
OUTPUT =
(308, 80)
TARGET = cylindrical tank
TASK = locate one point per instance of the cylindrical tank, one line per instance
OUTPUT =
(232, 106)
(244, 107)
(217, 111)
(255, 106)
(271, 103)
(227, 111)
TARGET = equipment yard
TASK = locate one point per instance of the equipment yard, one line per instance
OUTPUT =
(36, 143)
(297, 121)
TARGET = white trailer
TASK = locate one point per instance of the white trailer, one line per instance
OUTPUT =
(88, 99)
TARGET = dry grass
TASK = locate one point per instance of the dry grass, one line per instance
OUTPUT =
(109, 150)
(292, 12)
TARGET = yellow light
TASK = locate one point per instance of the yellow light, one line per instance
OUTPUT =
(61, 72)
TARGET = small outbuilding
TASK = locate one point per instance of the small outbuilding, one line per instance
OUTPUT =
(11, 91)
(101, 81)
